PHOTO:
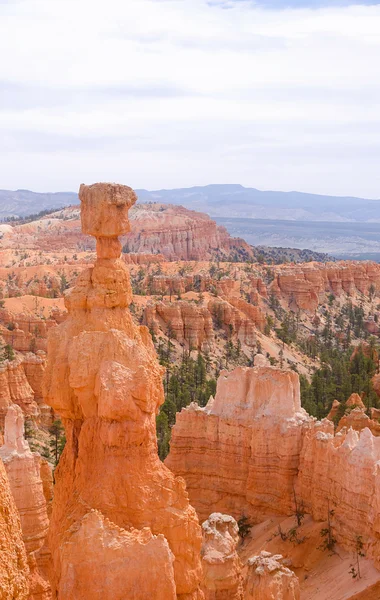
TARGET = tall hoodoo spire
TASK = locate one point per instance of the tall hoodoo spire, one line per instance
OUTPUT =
(104, 379)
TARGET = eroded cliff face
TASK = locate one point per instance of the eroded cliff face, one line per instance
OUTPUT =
(303, 287)
(15, 389)
(23, 469)
(230, 449)
(253, 451)
(184, 321)
(179, 233)
(14, 571)
(173, 231)
(112, 492)
(339, 479)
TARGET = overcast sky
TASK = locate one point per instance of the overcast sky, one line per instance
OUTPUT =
(173, 93)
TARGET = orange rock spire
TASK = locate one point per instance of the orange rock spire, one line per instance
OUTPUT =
(114, 500)
(25, 471)
(14, 570)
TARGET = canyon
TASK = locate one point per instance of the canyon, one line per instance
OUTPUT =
(97, 345)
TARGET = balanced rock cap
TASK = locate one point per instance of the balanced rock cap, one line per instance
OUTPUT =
(104, 208)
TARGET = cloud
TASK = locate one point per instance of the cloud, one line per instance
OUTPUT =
(164, 93)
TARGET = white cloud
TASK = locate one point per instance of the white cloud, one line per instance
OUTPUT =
(164, 93)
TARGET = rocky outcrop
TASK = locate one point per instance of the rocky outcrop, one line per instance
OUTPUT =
(104, 379)
(296, 290)
(234, 320)
(133, 562)
(304, 287)
(14, 571)
(183, 321)
(194, 324)
(15, 388)
(180, 234)
(230, 457)
(339, 478)
(26, 332)
(353, 415)
(230, 448)
(358, 420)
(269, 579)
(34, 367)
(159, 229)
(222, 568)
(24, 474)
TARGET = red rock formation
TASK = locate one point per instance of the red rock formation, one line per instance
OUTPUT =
(180, 234)
(293, 286)
(355, 400)
(230, 456)
(172, 231)
(340, 475)
(14, 388)
(233, 320)
(253, 313)
(167, 285)
(115, 562)
(355, 416)
(143, 259)
(222, 569)
(185, 321)
(304, 287)
(104, 380)
(34, 367)
(14, 571)
(358, 420)
(269, 579)
(334, 410)
(24, 473)
(249, 472)
(27, 332)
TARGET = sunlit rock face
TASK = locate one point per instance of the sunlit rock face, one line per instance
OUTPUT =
(254, 451)
(24, 470)
(15, 389)
(340, 476)
(104, 379)
(222, 568)
(14, 571)
(240, 454)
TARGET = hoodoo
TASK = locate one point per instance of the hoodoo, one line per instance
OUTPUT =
(14, 569)
(25, 471)
(121, 523)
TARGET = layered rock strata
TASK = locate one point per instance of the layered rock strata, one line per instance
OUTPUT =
(230, 449)
(104, 380)
(339, 481)
(15, 389)
(14, 571)
(183, 321)
(24, 474)
(252, 450)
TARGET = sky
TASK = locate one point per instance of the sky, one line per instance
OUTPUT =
(281, 95)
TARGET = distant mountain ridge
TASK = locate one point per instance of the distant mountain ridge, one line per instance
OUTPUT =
(232, 200)
(219, 200)
(21, 203)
